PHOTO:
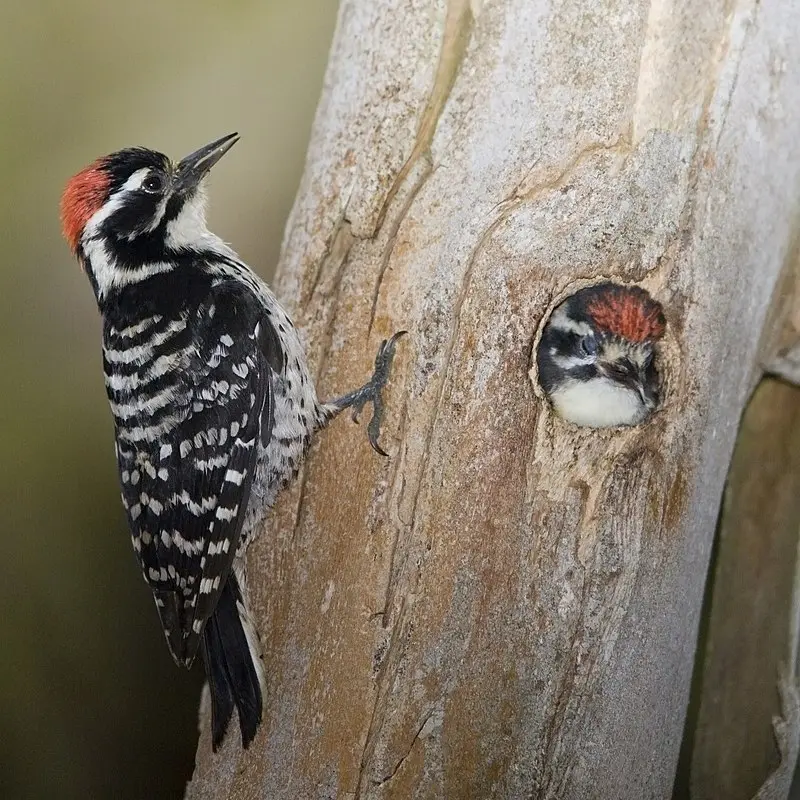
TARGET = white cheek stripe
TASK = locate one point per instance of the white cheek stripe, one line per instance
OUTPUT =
(561, 321)
(571, 361)
(136, 180)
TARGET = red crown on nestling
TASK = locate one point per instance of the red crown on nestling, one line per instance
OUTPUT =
(83, 196)
(628, 312)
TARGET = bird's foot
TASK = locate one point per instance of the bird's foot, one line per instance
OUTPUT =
(374, 391)
(371, 392)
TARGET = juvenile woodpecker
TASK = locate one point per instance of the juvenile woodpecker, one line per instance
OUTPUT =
(596, 357)
(211, 396)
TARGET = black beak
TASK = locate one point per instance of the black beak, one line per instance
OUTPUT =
(626, 373)
(192, 169)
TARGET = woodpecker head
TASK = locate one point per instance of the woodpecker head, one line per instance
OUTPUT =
(134, 210)
(596, 357)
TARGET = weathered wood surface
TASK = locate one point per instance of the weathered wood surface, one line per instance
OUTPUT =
(507, 607)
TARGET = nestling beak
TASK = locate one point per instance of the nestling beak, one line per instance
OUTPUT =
(192, 169)
(634, 378)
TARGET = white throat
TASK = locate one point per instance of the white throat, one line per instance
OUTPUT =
(189, 229)
(599, 403)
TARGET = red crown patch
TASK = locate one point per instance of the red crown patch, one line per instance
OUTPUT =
(627, 312)
(83, 196)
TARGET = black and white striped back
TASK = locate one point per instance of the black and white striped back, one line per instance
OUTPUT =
(191, 390)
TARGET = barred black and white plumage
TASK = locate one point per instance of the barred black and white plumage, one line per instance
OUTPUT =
(211, 397)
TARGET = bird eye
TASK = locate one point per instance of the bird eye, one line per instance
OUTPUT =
(589, 345)
(153, 183)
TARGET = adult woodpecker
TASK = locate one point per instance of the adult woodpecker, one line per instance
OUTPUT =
(596, 357)
(212, 400)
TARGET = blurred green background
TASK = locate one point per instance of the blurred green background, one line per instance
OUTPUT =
(91, 705)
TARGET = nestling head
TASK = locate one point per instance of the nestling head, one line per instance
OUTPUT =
(597, 356)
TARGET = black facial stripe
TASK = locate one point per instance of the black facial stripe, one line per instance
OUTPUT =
(584, 372)
(146, 247)
(150, 248)
(565, 342)
(174, 206)
(130, 221)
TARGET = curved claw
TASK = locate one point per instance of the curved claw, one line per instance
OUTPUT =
(377, 448)
(386, 350)
(374, 427)
(358, 407)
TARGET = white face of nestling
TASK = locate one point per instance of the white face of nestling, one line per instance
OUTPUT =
(596, 358)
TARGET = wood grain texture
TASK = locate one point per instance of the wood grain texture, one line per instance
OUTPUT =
(507, 607)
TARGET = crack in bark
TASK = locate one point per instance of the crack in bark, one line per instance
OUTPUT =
(581, 674)
(561, 704)
(398, 473)
(392, 238)
(402, 760)
(703, 129)
(458, 28)
(393, 638)
(457, 31)
(380, 693)
(749, 24)
(521, 195)
(338, 246)
(345, 240)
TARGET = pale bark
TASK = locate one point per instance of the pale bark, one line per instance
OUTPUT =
(507, 607)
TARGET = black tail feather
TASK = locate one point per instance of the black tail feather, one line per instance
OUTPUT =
(222, 703)
(232, 675)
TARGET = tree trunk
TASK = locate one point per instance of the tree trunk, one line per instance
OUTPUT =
(755, 601)
(507, 607)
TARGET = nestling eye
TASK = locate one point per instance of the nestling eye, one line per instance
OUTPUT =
(589, 345)
(153, 184)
